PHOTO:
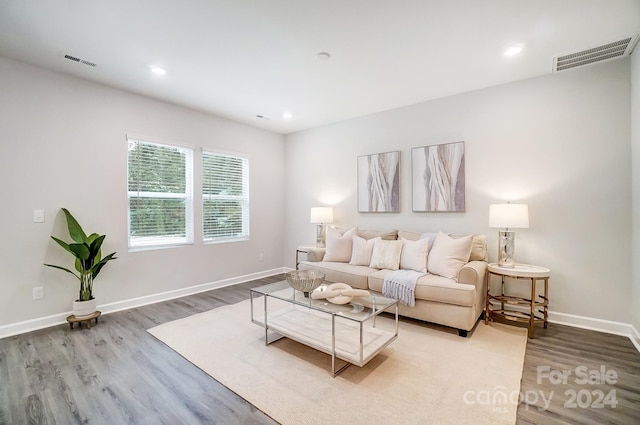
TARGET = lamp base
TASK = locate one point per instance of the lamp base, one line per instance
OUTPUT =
(506, 244)
(320, 236)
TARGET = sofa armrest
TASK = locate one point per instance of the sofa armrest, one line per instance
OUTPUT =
(315, 254)
(473, 273)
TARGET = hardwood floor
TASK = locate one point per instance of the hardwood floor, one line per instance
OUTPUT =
(589, 377)
(117, 373)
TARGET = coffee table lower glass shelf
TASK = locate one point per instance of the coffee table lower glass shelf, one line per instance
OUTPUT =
(347, 332)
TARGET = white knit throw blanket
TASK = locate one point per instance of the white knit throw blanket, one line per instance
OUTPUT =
(401, 285)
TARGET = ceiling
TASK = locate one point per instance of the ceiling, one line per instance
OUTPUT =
(243, 58)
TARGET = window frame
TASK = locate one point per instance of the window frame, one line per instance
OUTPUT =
(160, 242)
(243, 199)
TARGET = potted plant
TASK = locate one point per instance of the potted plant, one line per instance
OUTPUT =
(88, 263)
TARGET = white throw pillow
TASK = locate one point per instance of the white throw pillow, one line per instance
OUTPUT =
(339, 245)
(414, 255)
(431, 237)
(362, 250)
(448, 255)
(386, 255)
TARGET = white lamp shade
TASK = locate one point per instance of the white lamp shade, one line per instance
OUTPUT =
(514, 216)
(321, 215)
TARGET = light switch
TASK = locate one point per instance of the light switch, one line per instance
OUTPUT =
(38, 216)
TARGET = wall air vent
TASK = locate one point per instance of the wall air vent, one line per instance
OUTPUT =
(73, 58)
(82, 61)
(597, 54)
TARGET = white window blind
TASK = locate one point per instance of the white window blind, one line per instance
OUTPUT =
(160, 189)
(225, 197)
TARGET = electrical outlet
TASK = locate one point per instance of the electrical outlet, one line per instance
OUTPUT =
(261, 257)
(38, 293)
(38, 216)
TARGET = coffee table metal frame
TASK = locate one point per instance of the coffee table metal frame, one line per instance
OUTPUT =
(362, 309)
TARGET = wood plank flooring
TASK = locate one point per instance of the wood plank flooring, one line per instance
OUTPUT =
(117, 373)
(589, 377)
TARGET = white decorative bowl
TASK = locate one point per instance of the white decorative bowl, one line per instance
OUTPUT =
(305, 280)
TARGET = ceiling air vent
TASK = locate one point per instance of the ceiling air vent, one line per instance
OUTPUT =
(596, 54)
(73, 58)
(82, 61)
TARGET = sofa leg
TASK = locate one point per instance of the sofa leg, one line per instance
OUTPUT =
(463, 333)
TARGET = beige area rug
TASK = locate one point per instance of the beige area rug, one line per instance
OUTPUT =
(425, 376)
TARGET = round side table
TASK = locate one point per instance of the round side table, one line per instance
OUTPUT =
(538, 307)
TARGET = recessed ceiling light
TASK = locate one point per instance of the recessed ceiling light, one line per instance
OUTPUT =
(323, 56)
(158, 71)
(513, 50)
(287, 115)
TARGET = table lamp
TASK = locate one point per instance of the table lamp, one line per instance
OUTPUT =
(321, 216)
(508, 216)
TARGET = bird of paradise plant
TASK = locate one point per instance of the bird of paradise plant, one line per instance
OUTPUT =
(87, 253)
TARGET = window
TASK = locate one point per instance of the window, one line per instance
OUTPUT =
(160, 192)
(225, 197)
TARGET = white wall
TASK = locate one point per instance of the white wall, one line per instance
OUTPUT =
(63, 145)
(560, 143)
(635, 144)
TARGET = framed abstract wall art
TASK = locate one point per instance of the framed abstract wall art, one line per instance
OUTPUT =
(438, 178)
(378, 182)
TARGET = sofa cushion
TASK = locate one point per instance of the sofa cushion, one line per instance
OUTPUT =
(448, 255)
(339, 245)
(362, 250)
(386, 255)
(354, 276)
(412, 236)
(388, 235)
(433, 288)
(414, 255)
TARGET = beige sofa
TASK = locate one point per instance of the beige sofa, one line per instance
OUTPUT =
(456, 300)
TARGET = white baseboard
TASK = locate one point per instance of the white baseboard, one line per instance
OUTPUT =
(635, 338)
(60, 318)
(617, 328)
(607, 326)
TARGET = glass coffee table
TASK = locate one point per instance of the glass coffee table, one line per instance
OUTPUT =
(347, 332)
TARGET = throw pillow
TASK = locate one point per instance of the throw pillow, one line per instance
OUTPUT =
(386, 254)
(415, 236)
(478, 247)
(362, 250)
(432, 238)
(414, 255)
(339, 246)
(448, 255)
